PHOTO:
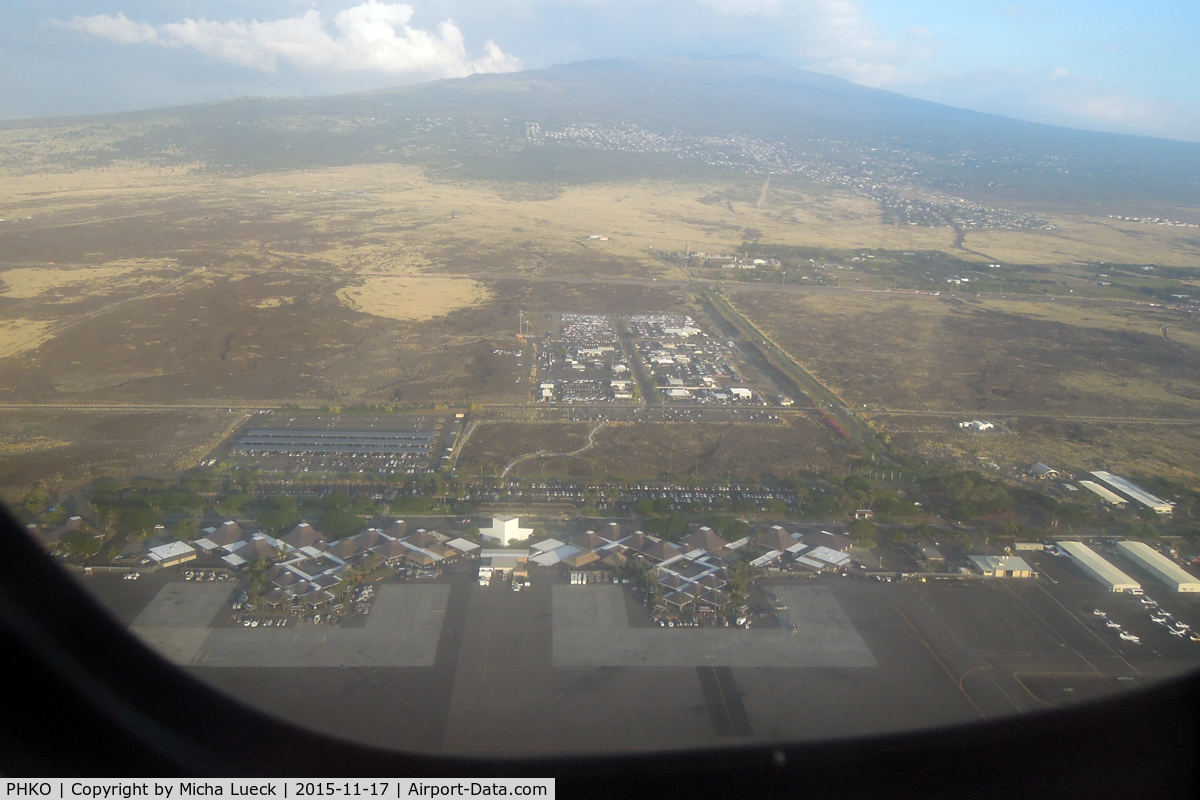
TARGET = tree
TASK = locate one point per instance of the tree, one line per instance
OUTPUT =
(185, 530)
(863, 531)
(81, 543)
(741, 577)
(139, 518)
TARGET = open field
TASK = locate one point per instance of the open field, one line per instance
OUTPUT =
(37, 444)
(985, 357)
(1171, 451)
(388, 285)
(414, 298)
(1090, 238)
(649, 449)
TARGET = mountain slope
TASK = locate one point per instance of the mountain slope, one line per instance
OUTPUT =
(643, 114)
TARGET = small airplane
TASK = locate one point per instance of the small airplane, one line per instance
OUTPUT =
(1111, 624)
(1159, 620)
(1129, 637)
(1099, 613)
(1177, 631)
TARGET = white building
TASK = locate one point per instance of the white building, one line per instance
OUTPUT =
(1104, 494)
(1134, 492)
(1003, 566)
(507, 528)
(1158, 565)
(168, 555)
(1105, 573)
(977, 425)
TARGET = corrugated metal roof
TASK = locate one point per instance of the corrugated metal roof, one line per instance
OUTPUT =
(1106, 572)
(1162, 567)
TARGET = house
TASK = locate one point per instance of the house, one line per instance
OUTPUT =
(229, 537)
(588, 541)
(704, 539)
(303, 535)
(863, 513)
(344, 549)
(638, 542)
(663, 551)
(421, 558)
(581, 559)
(834, 541)
(610, 532)
(371, 538)
(423, 538)
(72, 524)
(776, 538)
(392, 551)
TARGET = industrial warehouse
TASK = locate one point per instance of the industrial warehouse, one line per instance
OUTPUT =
(1158, 565)
(1098, 569)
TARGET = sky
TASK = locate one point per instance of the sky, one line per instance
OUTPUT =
(1100, 65)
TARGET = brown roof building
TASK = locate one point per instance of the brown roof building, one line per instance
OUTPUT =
(303, 535)
(704, 539)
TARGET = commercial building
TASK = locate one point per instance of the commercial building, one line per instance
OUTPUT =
(1097, 568)
(1158, 565)
(168, 555)
(500, 564)
(1003, 566)
(507, 528)
(1134, 492)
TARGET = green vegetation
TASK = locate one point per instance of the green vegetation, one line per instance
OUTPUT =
(968, 494)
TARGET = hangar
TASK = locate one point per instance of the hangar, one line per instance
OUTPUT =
(1003, 566)
(1158, 565)
(1096, 567)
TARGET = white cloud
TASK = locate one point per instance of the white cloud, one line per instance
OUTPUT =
(835, 36)
(370, 37)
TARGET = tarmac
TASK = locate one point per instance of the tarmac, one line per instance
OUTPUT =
(591, 630)
(402, 631)
(450, 666)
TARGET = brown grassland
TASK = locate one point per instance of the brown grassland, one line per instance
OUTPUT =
(651, 450)
(919, 352)
(134, 284)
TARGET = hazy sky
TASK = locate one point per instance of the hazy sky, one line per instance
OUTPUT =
(1103, 64)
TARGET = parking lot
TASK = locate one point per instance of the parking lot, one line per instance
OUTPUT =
(353, 444)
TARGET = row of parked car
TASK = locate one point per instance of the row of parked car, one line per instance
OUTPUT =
(201, 575)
